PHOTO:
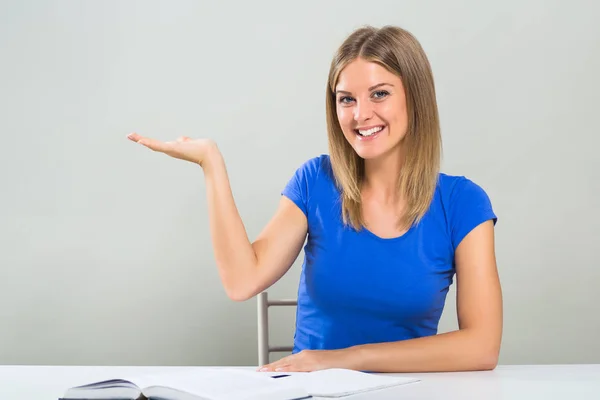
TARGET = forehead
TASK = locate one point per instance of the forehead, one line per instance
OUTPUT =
(361, 74)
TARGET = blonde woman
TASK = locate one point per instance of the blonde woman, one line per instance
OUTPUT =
(386, 231)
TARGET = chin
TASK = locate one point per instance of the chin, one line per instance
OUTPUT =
(368, 154)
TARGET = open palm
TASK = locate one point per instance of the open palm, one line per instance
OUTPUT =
(184, 148)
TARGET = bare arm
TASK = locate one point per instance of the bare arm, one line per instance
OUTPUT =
(245, 268)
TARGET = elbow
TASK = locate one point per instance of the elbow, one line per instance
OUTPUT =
(238, 295)
(485, 350)
(239, 285)
(487, 362)
(487, 359)
(241, 292)
(235, 289)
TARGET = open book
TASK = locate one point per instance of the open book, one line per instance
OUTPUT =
(235, 384)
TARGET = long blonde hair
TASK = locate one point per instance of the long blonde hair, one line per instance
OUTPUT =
(399, 52)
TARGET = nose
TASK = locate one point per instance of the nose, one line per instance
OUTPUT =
(363, 111)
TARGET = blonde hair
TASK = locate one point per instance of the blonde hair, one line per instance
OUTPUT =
(399, 52)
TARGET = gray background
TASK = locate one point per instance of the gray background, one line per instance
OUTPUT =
(105, 250)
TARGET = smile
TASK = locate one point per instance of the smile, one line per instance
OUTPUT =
(369, 132)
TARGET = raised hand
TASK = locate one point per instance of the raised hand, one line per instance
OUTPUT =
(244, 271)
(184, 148)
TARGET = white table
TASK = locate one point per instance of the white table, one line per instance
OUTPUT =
(560, 382)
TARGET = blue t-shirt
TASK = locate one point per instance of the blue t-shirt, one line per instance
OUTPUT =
(356, 287)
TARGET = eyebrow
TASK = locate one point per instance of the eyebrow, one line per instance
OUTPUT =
(371, 88)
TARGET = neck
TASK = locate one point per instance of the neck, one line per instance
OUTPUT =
(381, 177)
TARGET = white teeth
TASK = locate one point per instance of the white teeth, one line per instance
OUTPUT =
(371, 131)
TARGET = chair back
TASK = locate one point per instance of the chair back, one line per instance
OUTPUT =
(264, 347)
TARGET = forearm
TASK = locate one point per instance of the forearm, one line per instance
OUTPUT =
(463, 350)
(234, 255)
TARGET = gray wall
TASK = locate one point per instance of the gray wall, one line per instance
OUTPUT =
(105, 249)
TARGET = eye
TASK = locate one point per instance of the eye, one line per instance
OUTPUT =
(380, 94)
(345, 99)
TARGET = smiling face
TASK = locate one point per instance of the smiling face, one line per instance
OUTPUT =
(371, 108)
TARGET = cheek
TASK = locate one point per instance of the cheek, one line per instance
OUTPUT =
(345, 118)
(395, 113)
(390, 111)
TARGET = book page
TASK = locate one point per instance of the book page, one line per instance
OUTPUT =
(341, 382)
(219, 383)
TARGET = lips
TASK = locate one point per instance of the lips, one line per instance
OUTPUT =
(369, 132)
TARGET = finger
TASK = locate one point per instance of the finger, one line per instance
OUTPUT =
(134, 137)
(277, 364)
(267, 367)
(183, 139)
(156, 145)
(150, 143)
(275, 367)
(284, 368)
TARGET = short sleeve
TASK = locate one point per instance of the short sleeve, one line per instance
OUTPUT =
(298, 188)
(469, 207)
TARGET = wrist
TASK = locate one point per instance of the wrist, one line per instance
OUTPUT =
(211, 157)
(352, 357)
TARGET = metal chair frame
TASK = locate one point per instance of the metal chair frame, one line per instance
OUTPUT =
(264, 348)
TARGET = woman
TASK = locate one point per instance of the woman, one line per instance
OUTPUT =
(386, 230)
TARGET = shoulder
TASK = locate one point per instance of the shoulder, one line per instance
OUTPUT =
(459, 188)
(305, 181)
(466, 205)
(314, 169)
(314, 165)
